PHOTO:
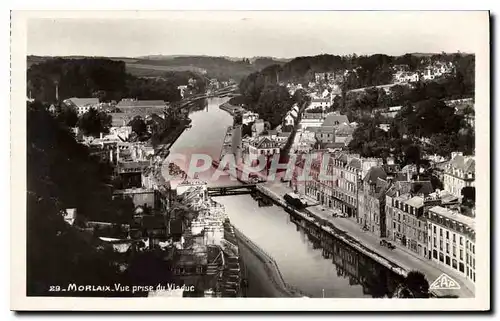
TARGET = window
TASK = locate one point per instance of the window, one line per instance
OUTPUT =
(435, 244)
(441, 245)
(440, 232)
(473, 248)
(473, 263)
(461, 240)
(447, 260)
(418, 223)
(441, 257)
(454, 251)
(434, 254)
(461, 255)
(454, 264)
(447, 248)
(394, 224)
(447, 235)
(454, 238)
(434, 229)
(461, 267)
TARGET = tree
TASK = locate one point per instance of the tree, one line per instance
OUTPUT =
(246, 130)
(238, 119)
(138, 126)
(273, 104)
(62, 174)
(67, 116)
(413, 155)
(469, 195)
(93, 123)
(416, 285)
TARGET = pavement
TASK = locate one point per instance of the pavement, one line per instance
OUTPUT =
(401, 256)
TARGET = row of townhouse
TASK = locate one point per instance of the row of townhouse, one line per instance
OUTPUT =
(408, 212)
(451, 240)
(340, 189)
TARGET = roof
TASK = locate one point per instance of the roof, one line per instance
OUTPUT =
(335, 119)
(415, 187)
(272, 132)
(263, 140)
(309, 115)
(374, 173)
(81, 102)
(320, 100)
(355, 163)
(141, 103)
(415, 201)
(466, 164)
(456, 216)
(335, 145)
(312, 129)
(344, 129)
(120, 119)
(381, 187)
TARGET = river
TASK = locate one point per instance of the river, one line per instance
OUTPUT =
(332, 271)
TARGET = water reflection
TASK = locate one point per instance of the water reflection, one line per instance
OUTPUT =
(309, 259)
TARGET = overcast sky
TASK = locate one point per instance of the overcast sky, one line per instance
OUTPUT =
(248, 34)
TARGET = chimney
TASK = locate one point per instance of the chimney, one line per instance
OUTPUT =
(57, 92)
(100, 135)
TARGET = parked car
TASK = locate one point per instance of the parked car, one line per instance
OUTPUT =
(389, 245)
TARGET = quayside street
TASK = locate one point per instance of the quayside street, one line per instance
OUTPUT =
(400, 255)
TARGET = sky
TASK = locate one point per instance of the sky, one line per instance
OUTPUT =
(284, 34)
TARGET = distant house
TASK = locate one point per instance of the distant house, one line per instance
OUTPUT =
(385, 127)
(323, 103)
(311, 119)
(249, 117)
(283, 136)
(82, 105)
(395, 108)
(182, 89)
(334, 119)
(142, 108)
(263, 146)
(69, 215)
(406, 77)
(291, 116)
(52, 109)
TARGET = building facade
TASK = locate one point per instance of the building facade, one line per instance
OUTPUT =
(451, 236)
(459, 173)
(405, 220)
(339, 189)
(372, 201)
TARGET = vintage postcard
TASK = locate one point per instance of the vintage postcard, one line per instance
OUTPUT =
(250, 160)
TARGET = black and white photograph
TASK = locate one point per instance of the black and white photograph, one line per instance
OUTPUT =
(273, 155)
